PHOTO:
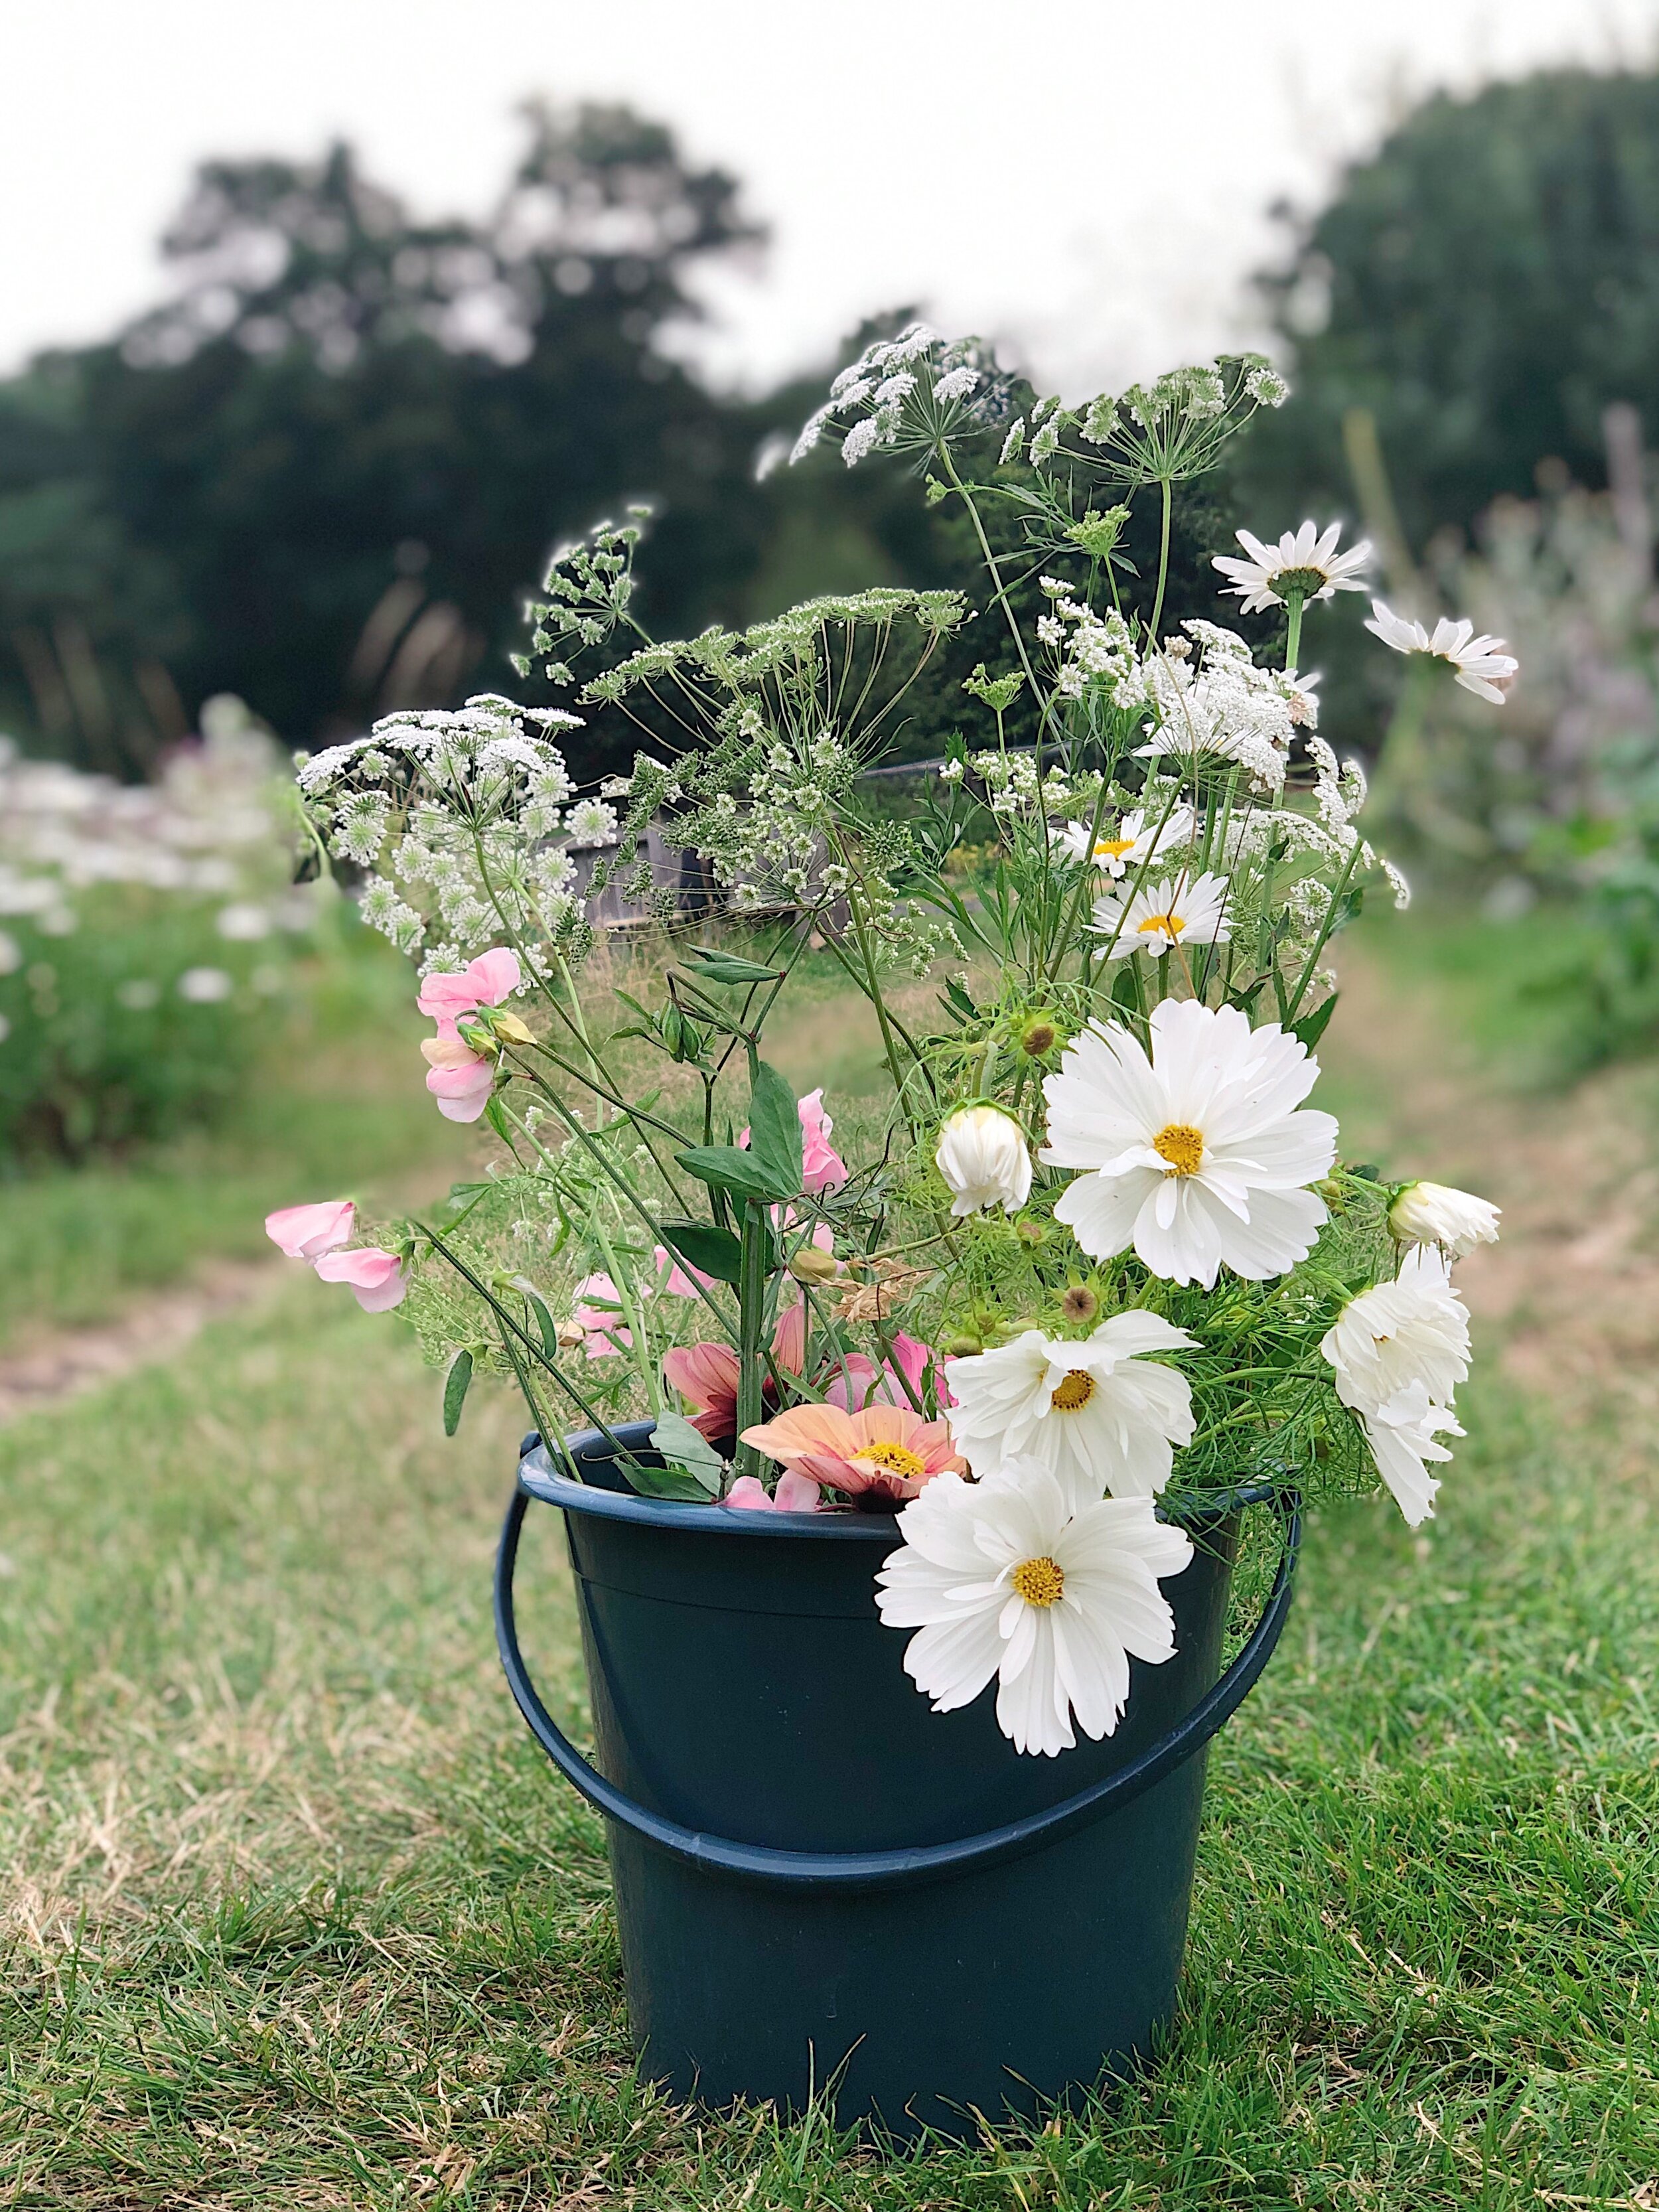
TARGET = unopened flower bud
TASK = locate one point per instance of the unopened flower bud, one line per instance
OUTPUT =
(509, 1025)
(809, 1265)
(1434, 1213)
(1038, 1039)
(982, 1154)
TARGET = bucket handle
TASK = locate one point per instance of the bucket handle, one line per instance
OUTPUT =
(905, 1867)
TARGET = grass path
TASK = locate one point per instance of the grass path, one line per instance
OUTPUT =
(296, 1917)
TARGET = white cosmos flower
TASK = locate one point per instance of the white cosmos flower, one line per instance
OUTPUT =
(1400, 1350)
(1304, 560)
(1010, 1577)
(983, 1157)
(1120, 846)
(1435, 1214)
(1093, 1412)
(1482, 666)
(1197, 1156)
(1181, 911)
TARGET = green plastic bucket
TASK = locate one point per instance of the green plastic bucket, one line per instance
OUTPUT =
(823, 1887)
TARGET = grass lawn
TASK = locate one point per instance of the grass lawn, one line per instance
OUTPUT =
(297, 1916)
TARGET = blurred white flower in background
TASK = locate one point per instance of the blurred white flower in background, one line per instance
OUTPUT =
(205, 986)
(1481, 665)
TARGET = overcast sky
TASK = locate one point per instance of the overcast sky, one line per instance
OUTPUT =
(1088, 178)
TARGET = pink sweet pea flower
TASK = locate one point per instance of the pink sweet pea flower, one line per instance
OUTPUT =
(305, 1232)
(679, 1281)
(485, 981)
(886, 1385)
(603, 1336)
(378, 1279)
(795, 1494)
(822, 1166)
(459, 1079)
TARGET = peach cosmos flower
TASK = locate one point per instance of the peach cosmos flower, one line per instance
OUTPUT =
(377, 1279)
(305, 1232)
(488, 980)
(878, 1457)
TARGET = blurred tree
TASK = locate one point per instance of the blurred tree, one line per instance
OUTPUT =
(326, 472)
(1485, 286)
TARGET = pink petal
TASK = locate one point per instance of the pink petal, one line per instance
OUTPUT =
(495, 977)
(749, 1496)
(305, 1232)
(681, 1282)
(486, 981)
(379, 1280)
(796, 1494)
(462, 1093)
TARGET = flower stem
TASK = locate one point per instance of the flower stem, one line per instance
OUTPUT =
(1293, 603)
(755, 1238)
(1163, 563)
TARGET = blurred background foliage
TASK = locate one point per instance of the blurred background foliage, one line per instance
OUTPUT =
(326, 472)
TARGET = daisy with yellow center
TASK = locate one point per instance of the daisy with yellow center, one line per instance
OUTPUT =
(1117, 847)
(1015, 1578)
(1094, 1411)
(1160, 916)
(877, 1458)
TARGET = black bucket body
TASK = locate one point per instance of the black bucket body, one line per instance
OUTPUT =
(910, 1914)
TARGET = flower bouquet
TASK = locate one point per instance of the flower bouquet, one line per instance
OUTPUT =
(1093, 1272)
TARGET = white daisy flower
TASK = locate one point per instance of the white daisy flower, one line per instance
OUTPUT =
(1304, 563)
(1403, 1434)
(1415, 1329)
(1007, 1578)
(1435, 1214)
(1116, 848)
(1092, 1411)
(1181, 911)
(983, 1155)
(1196, 1157)
(1482, 666)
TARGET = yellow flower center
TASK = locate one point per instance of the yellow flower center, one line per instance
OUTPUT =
(1183, 1145)
(1170, 924)
(1112, 849)
(1039, 1582)
(898, 1459)
(1073, 1391)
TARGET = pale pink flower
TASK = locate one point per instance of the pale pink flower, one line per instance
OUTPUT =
(674, 1277)
(459, 1079)
(305, 1232)
(377, 1279)
(822, 1166)
(886, 1385)
(600, 1324)
(485, 981)
(795, 1494)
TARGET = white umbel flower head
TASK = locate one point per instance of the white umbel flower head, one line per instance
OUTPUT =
(1435, 1214)
(983, 1157)
(1400, 1350)
(1305, 562)
(1094, 1411)
(1197, 1157)
(1159, 916)
(1481, 663)
(1010, 1577)
(1118, 847)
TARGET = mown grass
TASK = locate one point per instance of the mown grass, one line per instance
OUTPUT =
(297, 1915)
(334, 1103)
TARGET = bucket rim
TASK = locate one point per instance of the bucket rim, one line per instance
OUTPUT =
(539, 1477)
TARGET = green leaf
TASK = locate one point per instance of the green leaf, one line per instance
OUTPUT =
(687, 1451)
(731, 1168)
(456, 1384)
(775, 1132)
(495, 1115)
(716, 967)
(1312, 1027)
(672, 1482)
(706, 1247)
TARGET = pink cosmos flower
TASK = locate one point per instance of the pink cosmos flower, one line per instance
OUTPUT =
(795, 1494)
(485, 981)
(886, 1385)
(459, 1079)
(305, 1232)
(378, 1279)
(878, 1457)
(603, 1336)
(822, 1166)
(706, 1375)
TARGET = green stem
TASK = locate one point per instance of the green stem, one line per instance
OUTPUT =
(1163, 563)
(1292, 629)
(756, 1236)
